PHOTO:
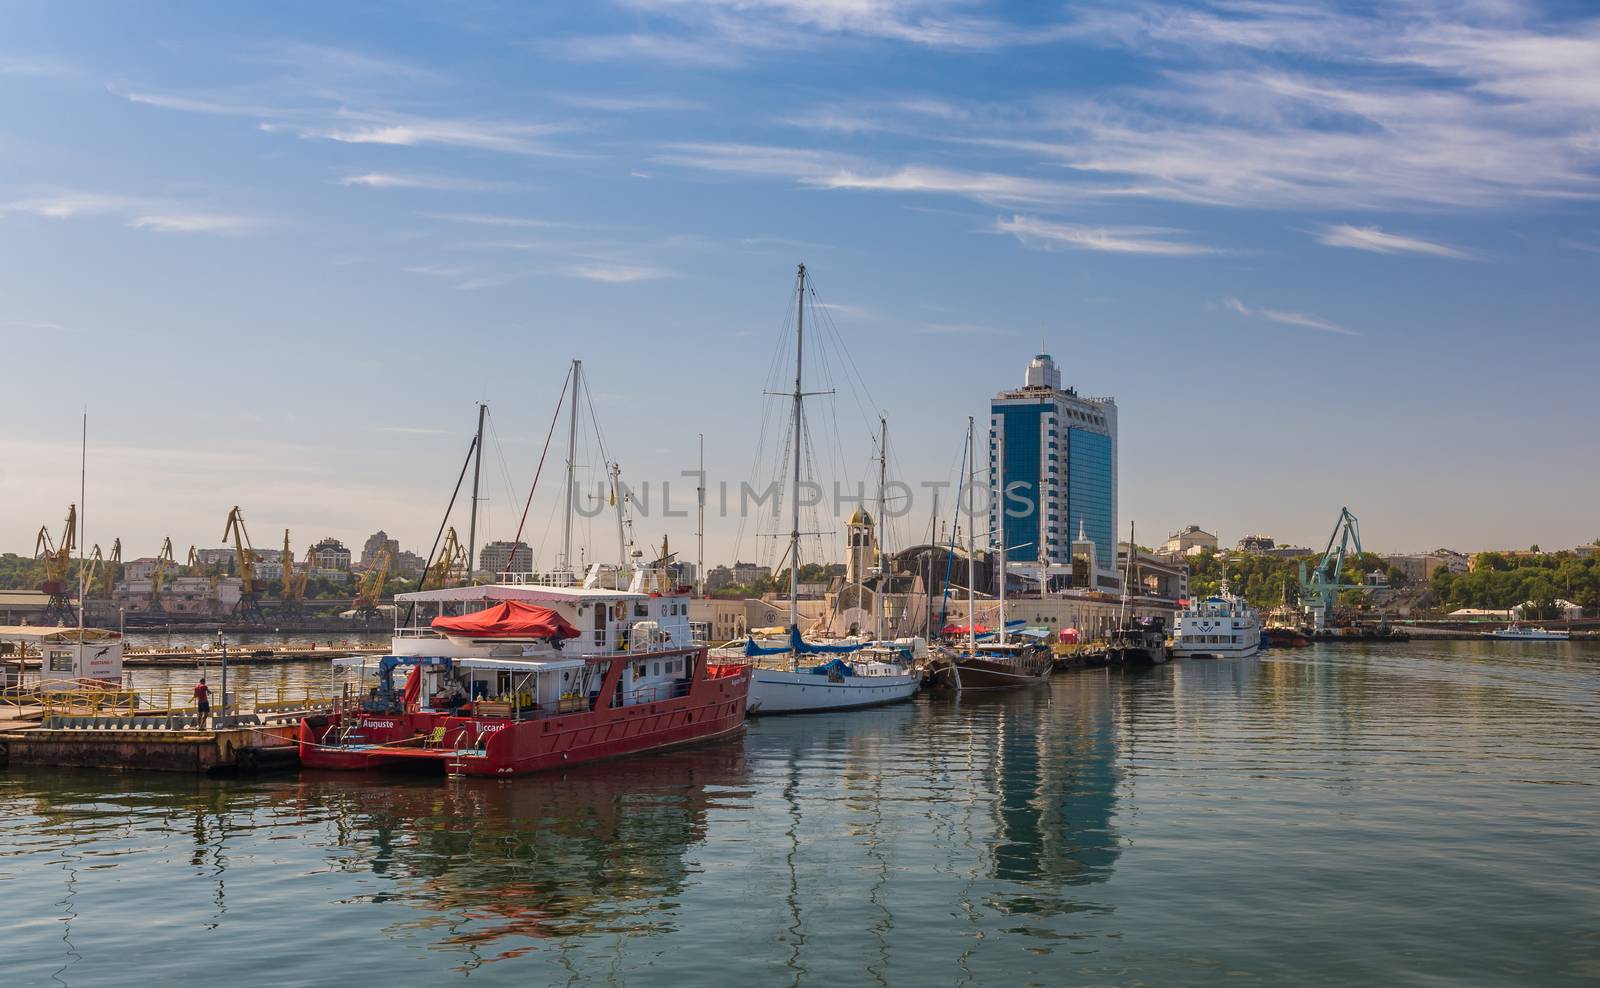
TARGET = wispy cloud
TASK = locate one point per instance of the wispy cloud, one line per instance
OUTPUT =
(442, 183)
(678, 51)
(403, 130)
(493, 219)
(1110, 239)
(1288, 318)
(1371, 238)
(161, 216)
(25, 65)
(614, 273)
(633, 104)
(199, 104)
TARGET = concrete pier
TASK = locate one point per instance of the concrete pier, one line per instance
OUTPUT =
(95, 743)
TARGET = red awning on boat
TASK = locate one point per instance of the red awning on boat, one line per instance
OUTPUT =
(961, 629)
(508, 619)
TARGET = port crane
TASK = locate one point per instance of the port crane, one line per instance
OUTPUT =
(158, 574)
(211, 573)
(102, 571)
(294, 580)
(369, 588)
(56, 554)
(249, 605)
(451, 566)
(1320, 586)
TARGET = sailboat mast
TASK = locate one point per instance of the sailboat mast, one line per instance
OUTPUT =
(1127, 571)
(622, 537)
(572, 468)
(883, 470)
(794, 499)
(477, 468)
(972, 597)
(700, 522)
(83, 525)
(1000, 514)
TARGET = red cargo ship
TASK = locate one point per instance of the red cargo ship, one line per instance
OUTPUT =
(517, 687)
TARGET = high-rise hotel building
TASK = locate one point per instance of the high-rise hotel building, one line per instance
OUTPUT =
(1061, 478)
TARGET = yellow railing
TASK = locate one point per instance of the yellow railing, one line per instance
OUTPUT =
(91, 700)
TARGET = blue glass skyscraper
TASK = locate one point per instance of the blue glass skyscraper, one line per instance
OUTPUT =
(1060, 475)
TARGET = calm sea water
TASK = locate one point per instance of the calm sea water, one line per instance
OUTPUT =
(1425, 814)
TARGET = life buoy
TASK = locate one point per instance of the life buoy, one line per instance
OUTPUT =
(618, 612)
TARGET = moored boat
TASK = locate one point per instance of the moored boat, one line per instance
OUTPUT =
(796, 676)
(1142, 643)
(1518, 633)
(992, 666)
(515, 684)
(1222, 626)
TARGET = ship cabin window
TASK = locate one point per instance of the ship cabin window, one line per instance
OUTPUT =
(641, 610)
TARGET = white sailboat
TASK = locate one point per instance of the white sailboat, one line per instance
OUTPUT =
(796, 676)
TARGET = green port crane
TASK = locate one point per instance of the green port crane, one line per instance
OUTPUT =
(1320, 586)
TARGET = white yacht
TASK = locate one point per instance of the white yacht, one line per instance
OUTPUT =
(1517, 633)
(1223, 626)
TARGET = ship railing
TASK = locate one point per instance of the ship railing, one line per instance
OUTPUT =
(656, 693)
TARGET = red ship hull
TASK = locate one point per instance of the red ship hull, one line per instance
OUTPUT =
(713, 706)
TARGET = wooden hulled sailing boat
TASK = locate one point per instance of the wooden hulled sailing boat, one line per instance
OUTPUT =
(990, 665)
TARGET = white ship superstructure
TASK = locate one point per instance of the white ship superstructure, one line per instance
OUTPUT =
(1222, 626)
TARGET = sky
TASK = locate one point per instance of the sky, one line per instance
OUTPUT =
(1321, 254)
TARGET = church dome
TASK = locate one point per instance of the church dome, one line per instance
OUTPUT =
(860, 517)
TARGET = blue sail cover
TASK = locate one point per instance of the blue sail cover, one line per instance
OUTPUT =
(798, 644)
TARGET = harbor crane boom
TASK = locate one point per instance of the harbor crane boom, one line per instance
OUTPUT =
(1320, 586)
(249, 604)
(56, 554)
(451, 566)
(158, 574)
(369, 589)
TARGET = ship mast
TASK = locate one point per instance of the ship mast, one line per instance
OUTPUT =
(972, 600)
(794, 500)
(572, 467)
(472, 524)
(1000, 513)
(883, 469)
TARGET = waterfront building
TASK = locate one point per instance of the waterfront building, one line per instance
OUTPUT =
(505, 557)
(1191, 541)
(1060, 475)
(1257, 545)
(739, 574)
(407, 563)
(376, 543)
(330, 554)
(1419, 567)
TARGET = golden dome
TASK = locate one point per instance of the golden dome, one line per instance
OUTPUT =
(860, 517)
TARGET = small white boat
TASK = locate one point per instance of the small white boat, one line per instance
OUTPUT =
(1517, 633)
(1223, 626)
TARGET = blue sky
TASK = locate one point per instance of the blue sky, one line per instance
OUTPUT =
(1320, 254)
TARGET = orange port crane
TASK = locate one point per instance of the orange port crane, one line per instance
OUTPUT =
(369, 588)
(56, 555)
(249, 605)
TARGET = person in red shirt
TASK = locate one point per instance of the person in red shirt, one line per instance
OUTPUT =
(202, 699)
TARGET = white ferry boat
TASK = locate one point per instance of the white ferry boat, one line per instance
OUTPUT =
(1517, 633)
(1223, 626)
